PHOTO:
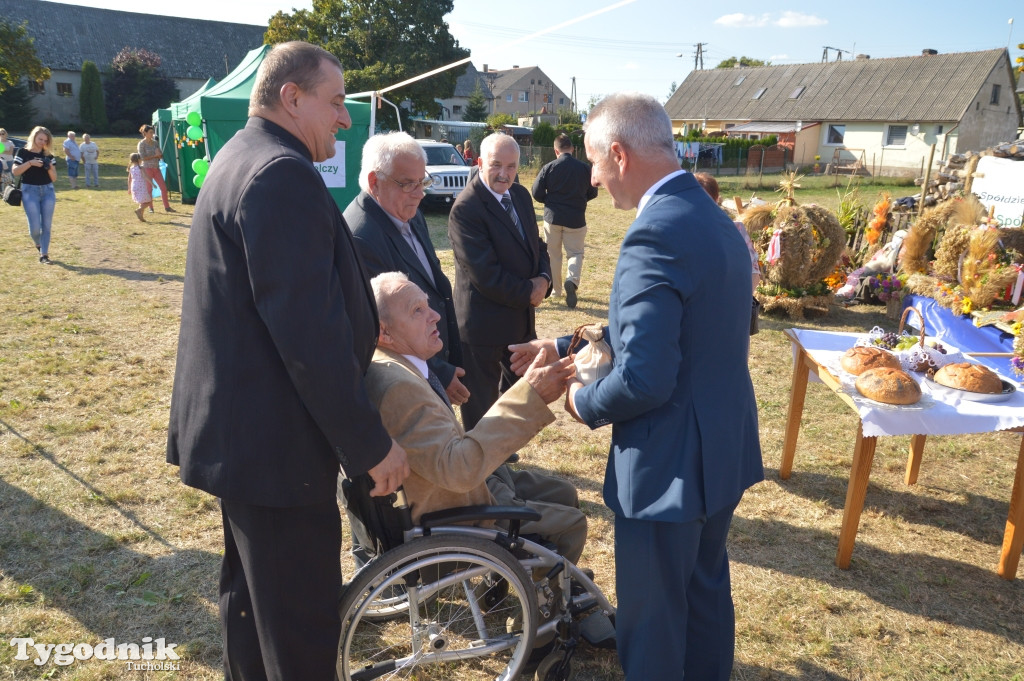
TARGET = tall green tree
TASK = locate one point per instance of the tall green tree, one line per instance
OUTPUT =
(18, 56)
(16, 110)
(476, 106)
(135, 88)
(733, 62)
(671, 90)
(91, 109)
(381, 43)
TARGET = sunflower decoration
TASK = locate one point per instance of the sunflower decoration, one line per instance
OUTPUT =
(879, 221)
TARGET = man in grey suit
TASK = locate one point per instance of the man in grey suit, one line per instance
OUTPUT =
(391, 236)
(278, 327)
(679, 397)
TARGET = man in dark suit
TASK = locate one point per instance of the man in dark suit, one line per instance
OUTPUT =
(501, 272)
(391, 236)
(278, 327)
(563, 186)
(679, 397)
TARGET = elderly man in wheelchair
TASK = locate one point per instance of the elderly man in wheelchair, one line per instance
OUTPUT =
(474, 563)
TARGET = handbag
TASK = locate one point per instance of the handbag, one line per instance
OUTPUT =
(12, 194)
(593, 360)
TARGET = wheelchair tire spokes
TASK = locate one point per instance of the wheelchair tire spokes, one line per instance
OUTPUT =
(469, 615)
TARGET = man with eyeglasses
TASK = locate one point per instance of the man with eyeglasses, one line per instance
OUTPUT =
(391, 236)
(502, 272)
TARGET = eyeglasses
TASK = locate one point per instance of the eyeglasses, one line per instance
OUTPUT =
(410, 187)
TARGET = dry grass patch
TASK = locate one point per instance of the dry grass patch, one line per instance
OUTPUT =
(99, 539)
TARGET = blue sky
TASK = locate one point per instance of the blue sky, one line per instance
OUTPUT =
(634, 45)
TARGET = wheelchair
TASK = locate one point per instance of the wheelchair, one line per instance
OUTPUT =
(445, 600)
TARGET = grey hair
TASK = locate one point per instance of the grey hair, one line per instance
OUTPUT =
(635, 120)
(292, 62)
(380, 152)
(492, 142)
(384, 286)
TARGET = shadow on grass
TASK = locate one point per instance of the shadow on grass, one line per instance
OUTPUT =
(808, 672)
(980, 518)
(98, 579)
(128, 275)
(918, 584)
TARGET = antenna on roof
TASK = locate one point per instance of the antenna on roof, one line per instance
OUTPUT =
(839, 53)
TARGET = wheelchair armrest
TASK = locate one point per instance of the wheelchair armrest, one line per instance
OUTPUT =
(464, 514)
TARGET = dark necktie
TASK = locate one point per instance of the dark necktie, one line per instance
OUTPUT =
(417, 248)
(435, 383)
(506, 203)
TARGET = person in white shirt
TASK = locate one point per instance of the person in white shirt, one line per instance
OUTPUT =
(91, 158)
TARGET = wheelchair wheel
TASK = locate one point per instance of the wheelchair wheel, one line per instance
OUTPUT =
(468, 611)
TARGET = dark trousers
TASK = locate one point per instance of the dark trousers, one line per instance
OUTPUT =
(675, 617)
(488, 375)
(279, 586)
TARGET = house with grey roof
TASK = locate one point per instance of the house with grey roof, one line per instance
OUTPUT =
(521, 91)
(877, 113)
(454, 106)
(66, 35)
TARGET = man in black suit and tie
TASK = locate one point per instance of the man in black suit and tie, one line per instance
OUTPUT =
(278, 327)
(391, 236)
(502, 272)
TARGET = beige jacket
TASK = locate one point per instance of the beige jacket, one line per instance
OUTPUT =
(449, 466)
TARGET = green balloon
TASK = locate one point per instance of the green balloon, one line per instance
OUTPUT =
(198, 180)
(193, 118)
(194, 132)
(200, 166)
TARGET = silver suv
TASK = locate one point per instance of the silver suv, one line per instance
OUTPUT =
(450, 172)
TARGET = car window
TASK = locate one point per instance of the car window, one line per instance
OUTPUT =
(445, 155)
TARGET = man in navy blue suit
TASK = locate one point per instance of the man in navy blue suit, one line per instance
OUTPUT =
(679, 397)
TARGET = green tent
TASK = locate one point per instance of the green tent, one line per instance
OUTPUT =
(224, 110)
(163, 122)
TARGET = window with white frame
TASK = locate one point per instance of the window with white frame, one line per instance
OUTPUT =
(834, 134)
(524, 96)
(508, 97)
(994, 99)
(896, 136)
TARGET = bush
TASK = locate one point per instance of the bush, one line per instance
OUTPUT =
(124, 127)
(544, 134)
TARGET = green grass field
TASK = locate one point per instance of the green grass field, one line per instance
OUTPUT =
(99, 539)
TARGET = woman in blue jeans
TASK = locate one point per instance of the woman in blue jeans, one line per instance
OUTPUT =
(34, 164)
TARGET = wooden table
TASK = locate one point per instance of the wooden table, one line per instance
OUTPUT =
(863, 454)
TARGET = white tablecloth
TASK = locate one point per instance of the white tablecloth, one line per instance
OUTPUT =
(936, 414)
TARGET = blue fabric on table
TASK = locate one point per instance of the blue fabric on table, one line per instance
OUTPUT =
(960, 331)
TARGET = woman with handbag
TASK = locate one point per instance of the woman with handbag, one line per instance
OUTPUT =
(34, 165)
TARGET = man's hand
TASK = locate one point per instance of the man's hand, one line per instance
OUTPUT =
(549, 379)
(570, 394)
(523, 354)
(540, 289)
(457, 393)
(389, 473)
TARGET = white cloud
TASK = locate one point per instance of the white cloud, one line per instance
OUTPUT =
(740, 20)
(799, 20)
(776, 58)
(787, 19)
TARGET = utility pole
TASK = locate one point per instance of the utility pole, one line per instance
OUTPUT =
(698, 58)
(572, 97)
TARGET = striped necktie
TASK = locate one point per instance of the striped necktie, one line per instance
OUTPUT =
(435, 383)
(506, 203)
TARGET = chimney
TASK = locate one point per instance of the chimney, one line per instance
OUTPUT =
(485, 68)
(863, 57)
(929, 52)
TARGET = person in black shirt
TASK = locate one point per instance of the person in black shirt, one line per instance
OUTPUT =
(563, 186)
(34, 164)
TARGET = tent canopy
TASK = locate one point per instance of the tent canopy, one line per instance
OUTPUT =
(224, 109)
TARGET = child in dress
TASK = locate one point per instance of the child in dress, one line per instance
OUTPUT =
(139, 186)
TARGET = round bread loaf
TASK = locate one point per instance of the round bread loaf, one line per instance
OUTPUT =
(859, 359)
(892, 386)
(970, 377)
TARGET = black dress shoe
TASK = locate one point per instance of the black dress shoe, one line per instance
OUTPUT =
(570, 294)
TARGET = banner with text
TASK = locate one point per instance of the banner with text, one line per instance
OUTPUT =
(333, 169)
(1000, 183)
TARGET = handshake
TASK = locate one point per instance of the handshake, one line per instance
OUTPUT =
(537, 361)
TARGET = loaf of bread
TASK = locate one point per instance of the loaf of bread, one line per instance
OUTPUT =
(859, 359)
(970, 377)
(888, 385)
